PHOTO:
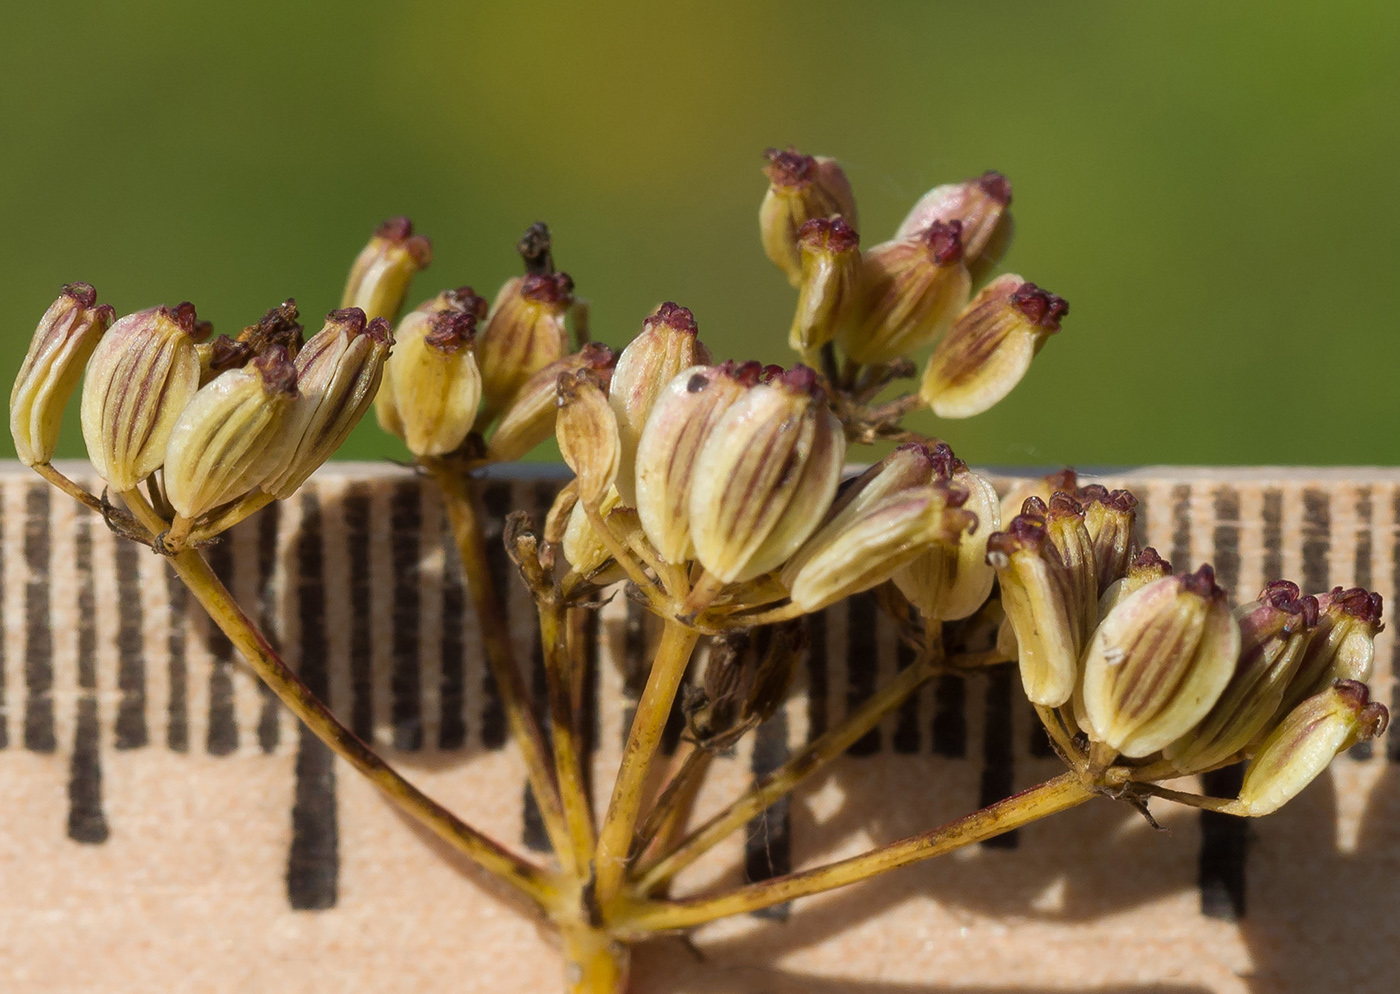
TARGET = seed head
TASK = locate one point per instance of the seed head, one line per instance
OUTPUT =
(801, 187)
(667, 344)
(1158, 663)
(1305, 742)
(765, 476)
(829, 249)
(431, 388)
(382, 272)
(526, 332)
(338, 374)
(65, 338)
(990, 347)
(231, 436)
(587, 432)
(980, 205)
(529, 419)
(139, 378)
(910, 293)
(681, 420)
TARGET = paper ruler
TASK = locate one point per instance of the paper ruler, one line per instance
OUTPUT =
(168, 826)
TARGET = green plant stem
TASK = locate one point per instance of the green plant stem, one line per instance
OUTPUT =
(1060, 794)
(783, 780)
(542, 888)
(654, 707)
(563, 733)
(460, 498)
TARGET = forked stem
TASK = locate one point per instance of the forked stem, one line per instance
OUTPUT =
(654, 707)
(459, 497)
(563, 733)
(540, 886)
(1051, 797)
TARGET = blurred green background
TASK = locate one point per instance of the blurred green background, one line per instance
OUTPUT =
(1210, 185)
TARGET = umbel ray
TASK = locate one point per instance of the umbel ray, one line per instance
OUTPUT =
(711, 493)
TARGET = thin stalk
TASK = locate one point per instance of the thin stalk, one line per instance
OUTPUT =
(563, 734)
(48, 472)
(459, 496)
(541, 887)
(615, 837)
(1223, 805)
(245, 507)
(672, 805)
(783, 780)
(1060, 794)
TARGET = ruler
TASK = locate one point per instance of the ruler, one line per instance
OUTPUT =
(168, 825)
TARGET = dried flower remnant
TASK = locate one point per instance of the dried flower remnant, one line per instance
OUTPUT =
(801, 187)
(62, 343)
(139, 378)
(380, 276)
(990, 347)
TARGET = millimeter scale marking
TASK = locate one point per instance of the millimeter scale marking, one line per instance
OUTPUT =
(356, 579)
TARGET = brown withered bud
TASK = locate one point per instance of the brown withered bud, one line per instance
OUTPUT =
(829, 249)
(1274, 630)
(990, 347)
(1035, 593)
(527, 331)
(529, 419)
(747, 677)
(910, 292)
(1109, 517)
(980, 205)
(62, 343)
(682, 419)
(1343, 644)
(668, 343)
(587, 433)
(381, 274)
(139, 378)
(884, 538)
(231, 436)
(278, 326)
(1306, 741)
(536, 250)
(338, 374)
(1158, 663)
(801, 187)
(765, 476)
